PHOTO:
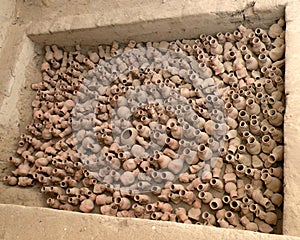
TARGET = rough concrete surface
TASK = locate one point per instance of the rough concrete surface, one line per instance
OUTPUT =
(26, 24)
(292, 123)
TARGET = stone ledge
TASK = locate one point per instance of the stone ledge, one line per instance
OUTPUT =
(165, 21)
(18, 222)
(291, 225)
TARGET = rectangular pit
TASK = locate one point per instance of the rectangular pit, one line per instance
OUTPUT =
(123, 32)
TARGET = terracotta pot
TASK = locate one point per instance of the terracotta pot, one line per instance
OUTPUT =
(263, 227)
(249, 225)
(190, 156)
(275, 118)
(187, 196)
(253, 146)
(138, 210)
(204, 153)
(276, 29)
(272, 183)
(25, 181)
(217, 184)
(209, 219)
(172, 143)
(10, 180)
(127, 178)
(22, 170)
(268, 144)
(86, 206)
(175, 166)
(231, 111)
(123, 203)
(216, 203)
(110, 210)
(142, 199)
(223, 223)
(206, 197)
(268, 217)
(194, 213)
(232, 218)
(251, 62)
(231, 189)
(181, 214)
(128, 136)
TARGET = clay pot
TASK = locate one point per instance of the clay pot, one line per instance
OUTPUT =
(15, 161)
(235, 205)
(128, 136)
(268, 144)
(159, 138)
(172, 143)
(190, 156)
(176, 187)
(187, 196)
(86, 206)
(231, 111)
(167, 176)
(232, 218)
(127, 178)
(239, 102)
(249, 225)
(22, 170)
(254, 127)
(123, 203)
(262, 226)
(257, 45)
(144, 131)
(217, 184)
(54, 203)
(253, 146)
(109, 210)
(181, 214)
(103, 199)
(57, 53)
(223, 223)
(276, 198)
(175, 166)
(272, 183)
(162, 159)
(10, 180)
(25, 181)
(209, 219)
(276, 29)
(259, 198)
(251, 62)
(244, 159)
(264, 60)
(216, 203)
(206, 197)
(216, 48)
(252, 107)
(231, 189)
(176, 131)
(275, 118)
(194, 213)
(204, 153)
(142, 199)
(278, 153)
(268, 217)
(200, 137)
